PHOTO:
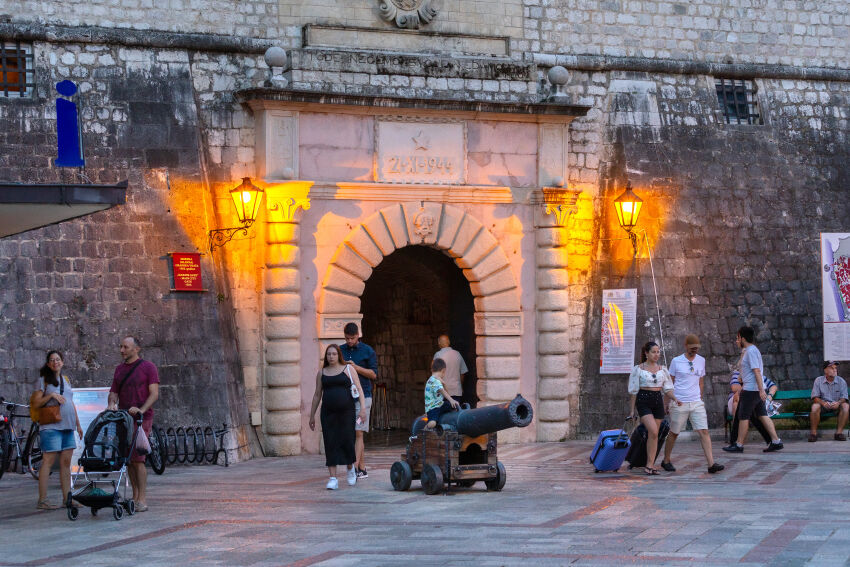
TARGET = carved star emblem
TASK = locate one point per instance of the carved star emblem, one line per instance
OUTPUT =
(421, 141)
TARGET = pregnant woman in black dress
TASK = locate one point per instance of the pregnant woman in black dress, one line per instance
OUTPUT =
(333, 389)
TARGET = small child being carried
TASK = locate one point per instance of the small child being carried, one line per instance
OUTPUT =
(437, 400)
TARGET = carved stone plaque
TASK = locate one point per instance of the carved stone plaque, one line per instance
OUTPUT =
(420, 151)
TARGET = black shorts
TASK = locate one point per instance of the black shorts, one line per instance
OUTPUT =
(434, 414)
(649, 402)
(750, 405)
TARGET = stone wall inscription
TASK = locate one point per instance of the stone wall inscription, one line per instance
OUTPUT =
(421, 152)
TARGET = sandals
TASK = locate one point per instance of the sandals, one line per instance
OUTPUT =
(650, 471)
(46, 505)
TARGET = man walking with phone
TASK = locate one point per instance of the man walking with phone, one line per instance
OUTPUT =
(361, 358)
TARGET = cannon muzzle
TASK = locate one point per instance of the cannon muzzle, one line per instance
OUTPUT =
(488, 419)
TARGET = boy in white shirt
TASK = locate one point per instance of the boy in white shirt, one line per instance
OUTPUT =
(688, 371)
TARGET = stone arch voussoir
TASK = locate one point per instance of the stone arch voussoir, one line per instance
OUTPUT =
(475, 251)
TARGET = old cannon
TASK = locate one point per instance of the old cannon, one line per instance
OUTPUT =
(462, 449)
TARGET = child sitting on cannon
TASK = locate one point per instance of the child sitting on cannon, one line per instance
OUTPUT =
(437, 400)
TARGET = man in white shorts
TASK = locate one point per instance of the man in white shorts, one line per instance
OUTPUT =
(688, 371)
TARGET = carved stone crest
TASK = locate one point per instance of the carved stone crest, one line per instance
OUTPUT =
(423, 224)
(407, 14)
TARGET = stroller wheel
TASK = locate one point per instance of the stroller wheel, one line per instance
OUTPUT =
(117, 512)
(94, 511)
(130, 506)
(73, 512)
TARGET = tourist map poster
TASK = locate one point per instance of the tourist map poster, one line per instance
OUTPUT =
(619, 324)
(835, 259)
(89, 402)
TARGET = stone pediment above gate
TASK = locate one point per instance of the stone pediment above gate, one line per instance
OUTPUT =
(333, 140)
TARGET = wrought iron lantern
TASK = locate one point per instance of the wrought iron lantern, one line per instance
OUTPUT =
(246, 198)
(628, 207)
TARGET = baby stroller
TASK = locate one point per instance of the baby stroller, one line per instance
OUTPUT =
(109, 443)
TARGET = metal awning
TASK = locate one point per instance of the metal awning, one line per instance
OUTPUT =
(25, 206)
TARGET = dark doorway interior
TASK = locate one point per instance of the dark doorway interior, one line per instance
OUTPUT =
(416, 294)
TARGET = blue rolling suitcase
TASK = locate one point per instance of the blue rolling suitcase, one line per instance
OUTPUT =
(610, 450)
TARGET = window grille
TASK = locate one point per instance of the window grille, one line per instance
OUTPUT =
(737, 100)
(16, 70)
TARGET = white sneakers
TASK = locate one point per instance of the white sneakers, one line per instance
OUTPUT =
(333, 483)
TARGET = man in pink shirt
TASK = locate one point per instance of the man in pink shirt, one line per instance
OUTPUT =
(135, 388)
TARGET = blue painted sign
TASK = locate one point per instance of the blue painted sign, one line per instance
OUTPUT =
(68, 136)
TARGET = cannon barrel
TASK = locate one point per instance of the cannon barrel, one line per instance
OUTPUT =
(488, 419)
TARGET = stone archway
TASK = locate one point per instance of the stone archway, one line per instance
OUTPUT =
(498, 319)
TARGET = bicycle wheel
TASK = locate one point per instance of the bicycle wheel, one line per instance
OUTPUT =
(32, 452)
(171, 445)
(180, 441)
(155, 458)
(5, 449)
(209, 444)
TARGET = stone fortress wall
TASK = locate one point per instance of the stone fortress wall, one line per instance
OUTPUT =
(160, 111)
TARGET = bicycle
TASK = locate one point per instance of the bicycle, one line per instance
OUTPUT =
(10, 442)
(156, 458)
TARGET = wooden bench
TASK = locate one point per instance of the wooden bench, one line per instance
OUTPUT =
(786, 397)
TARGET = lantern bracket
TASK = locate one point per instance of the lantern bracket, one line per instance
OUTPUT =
(221, 236)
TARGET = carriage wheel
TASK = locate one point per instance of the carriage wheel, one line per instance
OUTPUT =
(432, 479)
(93, 511)
(73, 512)
(468, 483)
(117, 512)
(401, 476)
(130, 506)
(498, 482)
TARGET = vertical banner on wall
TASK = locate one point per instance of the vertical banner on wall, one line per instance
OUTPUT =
(187, 271)
(619, 325)
(835, 259)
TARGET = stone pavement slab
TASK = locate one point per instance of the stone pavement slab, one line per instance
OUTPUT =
(554, 510)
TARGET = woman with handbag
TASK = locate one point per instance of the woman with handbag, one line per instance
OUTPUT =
(57, 419)
(337, 387)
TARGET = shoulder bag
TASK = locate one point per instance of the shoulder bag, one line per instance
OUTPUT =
(46, 415)
(354, 393)
(127, 377)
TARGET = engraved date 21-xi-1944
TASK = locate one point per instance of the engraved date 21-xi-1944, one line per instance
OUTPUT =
(433, 165)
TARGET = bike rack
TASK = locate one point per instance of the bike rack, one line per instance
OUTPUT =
(194, 445)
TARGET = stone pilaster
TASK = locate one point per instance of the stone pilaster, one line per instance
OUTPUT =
(557, 391)
(282, 323)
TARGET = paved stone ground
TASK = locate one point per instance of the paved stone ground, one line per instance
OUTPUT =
(553, 511)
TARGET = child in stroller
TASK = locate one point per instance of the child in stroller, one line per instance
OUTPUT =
(109, 443)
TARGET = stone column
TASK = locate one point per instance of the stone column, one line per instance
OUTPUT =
(556, 391)
(282, 323)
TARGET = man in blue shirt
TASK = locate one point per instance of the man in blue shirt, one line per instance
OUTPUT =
(362, 358)
(753, 394)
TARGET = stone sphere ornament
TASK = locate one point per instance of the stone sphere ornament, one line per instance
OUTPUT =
(558, 75)
(275, 56)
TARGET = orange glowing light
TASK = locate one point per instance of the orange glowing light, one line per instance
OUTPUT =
(628, 207)
(246, 199)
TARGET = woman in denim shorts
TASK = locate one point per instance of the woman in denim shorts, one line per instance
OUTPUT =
(57, 439)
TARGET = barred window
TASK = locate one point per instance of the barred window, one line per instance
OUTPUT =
(16, 70)
(737, 100)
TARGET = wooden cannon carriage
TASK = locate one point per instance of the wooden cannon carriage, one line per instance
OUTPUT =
(462, 449)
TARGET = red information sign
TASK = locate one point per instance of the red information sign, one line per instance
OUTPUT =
(187, 271)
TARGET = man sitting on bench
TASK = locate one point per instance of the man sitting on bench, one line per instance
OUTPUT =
(829, 392)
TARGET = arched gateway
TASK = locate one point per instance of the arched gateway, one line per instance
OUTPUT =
(498, 320)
